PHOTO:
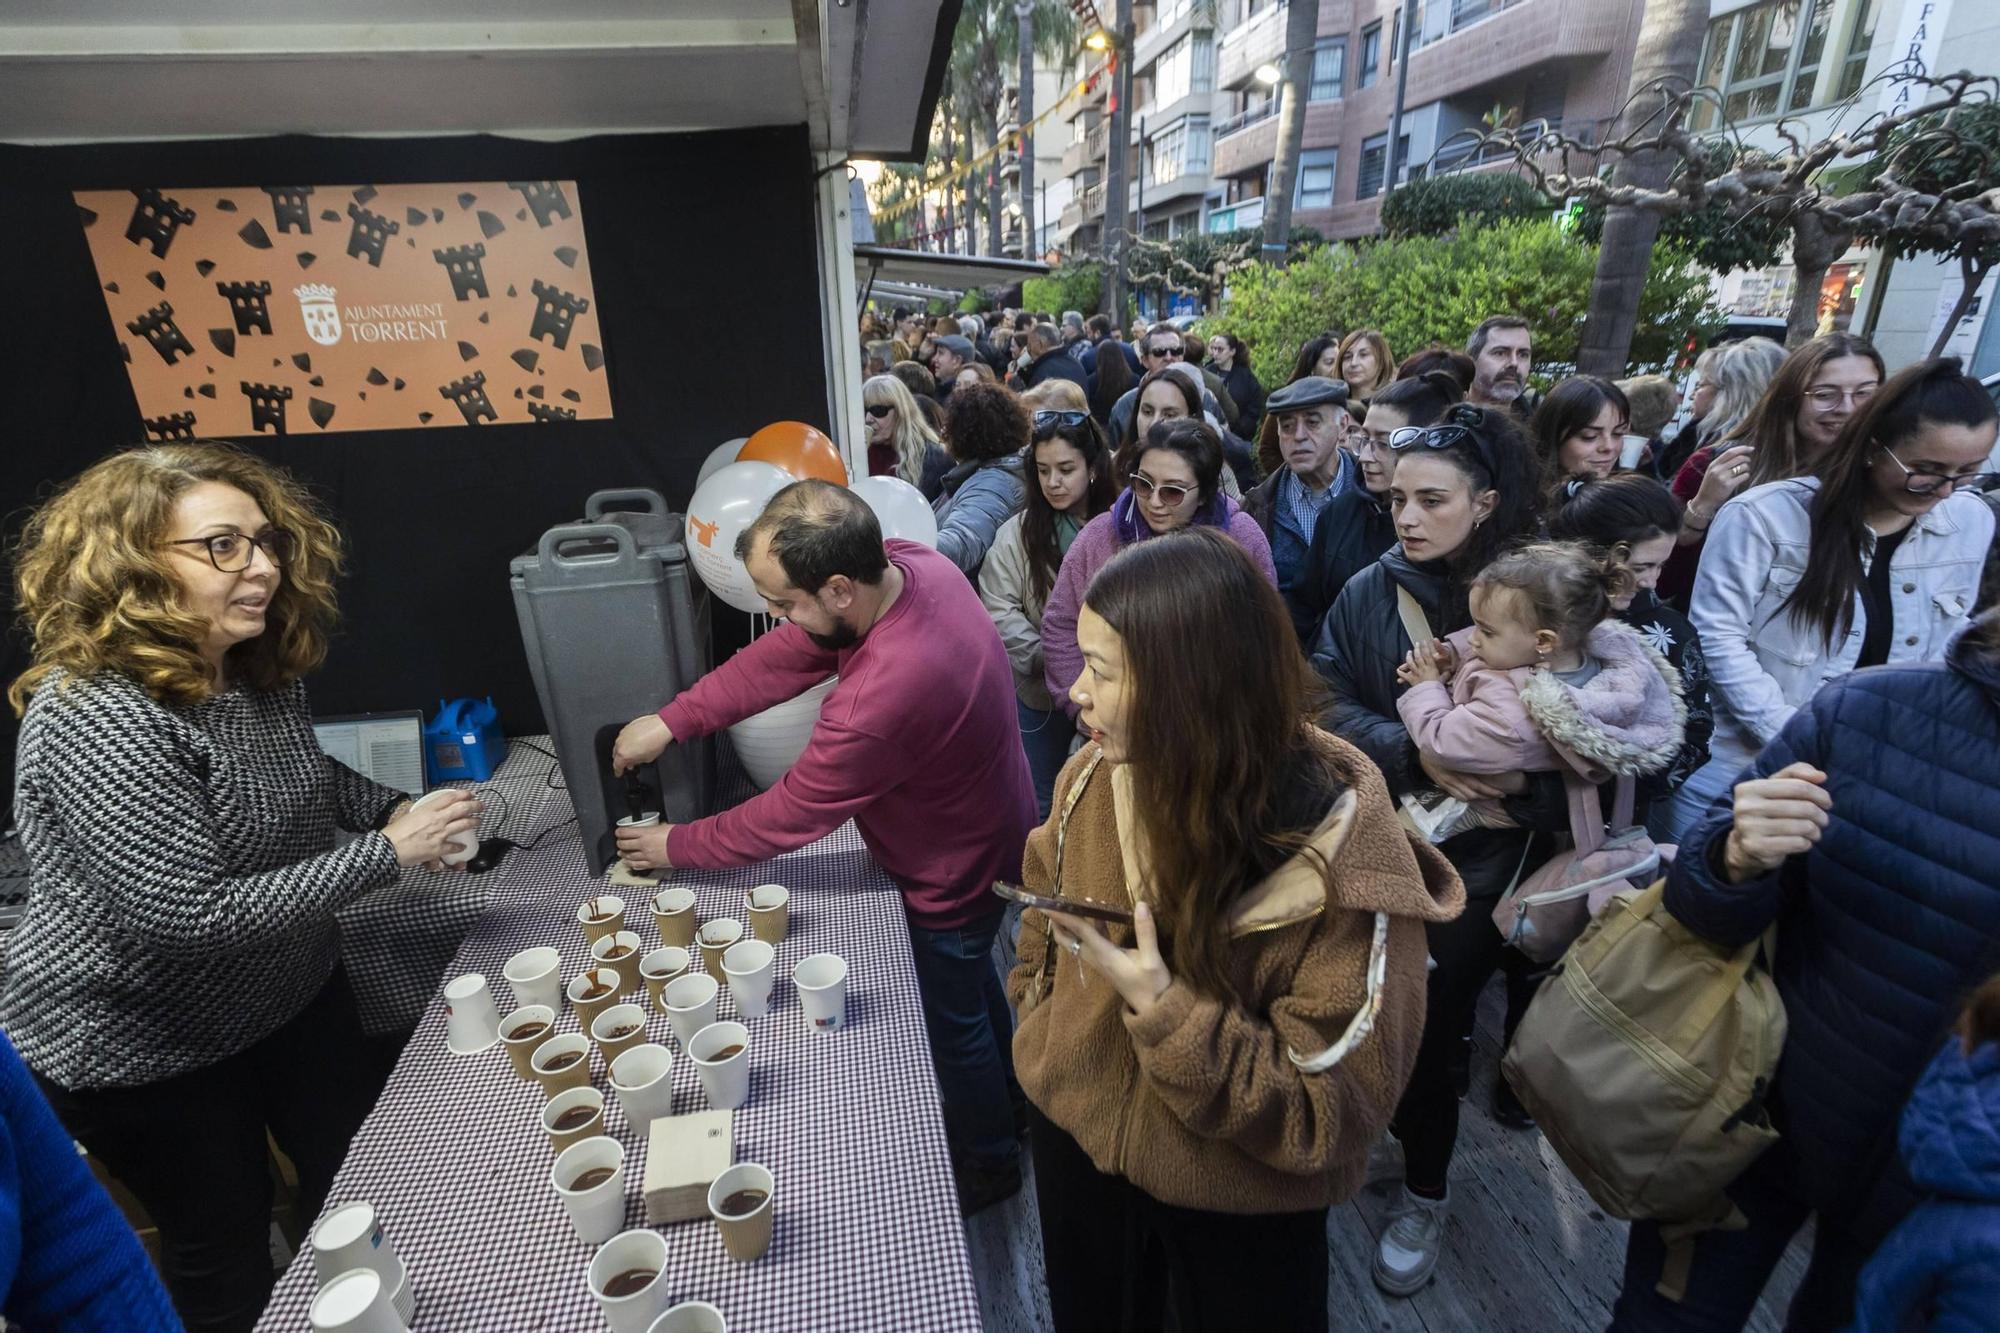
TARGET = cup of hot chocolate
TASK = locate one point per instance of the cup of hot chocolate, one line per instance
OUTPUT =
(673, 912)
(589, 1178)
(721, 1055)
(740, 1202)
(570, 1117)
(620, 951)
(661, 966)
(627, 1277)
(522, 1034)
(617, 1030)
(562, 1063)
(690, 1004)
(691, 1317)
(600, 916)
(592, 992)
(770, 910)
(715, 937)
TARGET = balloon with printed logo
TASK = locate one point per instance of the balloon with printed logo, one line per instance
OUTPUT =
(719, 458)
(722, 507)
(900, 508)
(798, 449)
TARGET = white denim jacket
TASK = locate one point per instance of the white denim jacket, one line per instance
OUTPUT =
(1762, 663)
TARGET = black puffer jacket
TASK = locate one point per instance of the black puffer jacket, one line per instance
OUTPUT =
(1350, 536)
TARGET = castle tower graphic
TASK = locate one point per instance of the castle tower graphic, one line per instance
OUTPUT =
(370, 232)
(545, 199)
(555, 310)
(291, 207)
(155, 219)
(549, 412)
(173, 426)
(157, 327)
(267, 405)
(247, 305)
(470, 396)
(468, 275)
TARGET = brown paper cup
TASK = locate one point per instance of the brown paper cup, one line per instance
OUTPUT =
(770, 909)
(521, 1049)
(674, 914)
(610, 907)
(627, 966)
(727, 932)
(557, 1081)
(746, 1237)
(668, 962)
(587, 1009)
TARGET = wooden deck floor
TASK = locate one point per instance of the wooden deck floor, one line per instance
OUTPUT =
(1526, 1251)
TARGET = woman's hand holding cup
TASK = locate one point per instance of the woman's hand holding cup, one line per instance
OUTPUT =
(423, 833)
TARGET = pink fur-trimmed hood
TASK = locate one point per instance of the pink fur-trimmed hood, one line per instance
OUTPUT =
(1626, 721)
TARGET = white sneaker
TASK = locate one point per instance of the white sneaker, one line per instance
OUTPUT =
(1407, 1253)
(1385, 1161)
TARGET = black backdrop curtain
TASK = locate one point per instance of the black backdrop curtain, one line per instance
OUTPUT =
(704, 262)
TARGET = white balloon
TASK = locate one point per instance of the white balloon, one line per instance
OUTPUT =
(722, 507)
(900, 508)
(719, 458)
(769, 743)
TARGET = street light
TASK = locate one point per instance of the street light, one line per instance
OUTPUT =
(1099, 41)
(1268, 74)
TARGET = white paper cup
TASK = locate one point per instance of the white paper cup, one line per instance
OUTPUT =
(596, 1211)
(1629, 451)
(535, 977)
(674, 915)
(750, 966)
(821, 981)
(562, 1104)
(643, 1079)
(714, 939)
(404, 1299)
(465, 845)
(624, 1252)
(661, 966)
(472, 1020)
(691, 1317)
(745, 1235)
(618, 1016)
(350, 1237)
(355, 1302)
(574, 1075)
(641, 821)
(726, 1079)
(690, 1004)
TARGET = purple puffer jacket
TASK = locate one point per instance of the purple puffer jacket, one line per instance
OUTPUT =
(1062, 660)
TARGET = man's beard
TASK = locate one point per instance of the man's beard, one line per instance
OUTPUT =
(844, 636)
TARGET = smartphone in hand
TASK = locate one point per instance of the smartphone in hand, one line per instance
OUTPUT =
(1014, 893)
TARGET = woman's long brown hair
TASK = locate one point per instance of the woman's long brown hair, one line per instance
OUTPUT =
(1214, 737)
(1772, 425)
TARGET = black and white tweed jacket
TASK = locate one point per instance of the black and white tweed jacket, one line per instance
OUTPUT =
(183, 877)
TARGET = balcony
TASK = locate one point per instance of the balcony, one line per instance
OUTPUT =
(1246, 119)
(1248, 45)
(1010, 163)
(1513, 38)
(1095, 142)
(1076, 156)
(1239, 216)
(1093, 201)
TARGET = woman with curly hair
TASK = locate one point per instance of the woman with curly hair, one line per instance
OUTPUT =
(175, 984)
(986, 432)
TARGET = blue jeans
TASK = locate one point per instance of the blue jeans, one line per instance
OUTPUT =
(1699, 793)
(1046, 736)
(972, 1038)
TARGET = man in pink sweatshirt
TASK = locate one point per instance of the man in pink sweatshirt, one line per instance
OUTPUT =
(917, 744)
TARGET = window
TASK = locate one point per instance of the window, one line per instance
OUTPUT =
(1766, 60)
(1164, 155)
(1316, 172)
(1371, 55)
(1374, 166)
(1172, 75)
(1329, 65)
(1855, 66)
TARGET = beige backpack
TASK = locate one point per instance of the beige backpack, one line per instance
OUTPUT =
(1647, 1058)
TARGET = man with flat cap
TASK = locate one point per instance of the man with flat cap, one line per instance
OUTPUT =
(952, 353)
(1312, 424)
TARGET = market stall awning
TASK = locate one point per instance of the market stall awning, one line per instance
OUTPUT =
(943, 273)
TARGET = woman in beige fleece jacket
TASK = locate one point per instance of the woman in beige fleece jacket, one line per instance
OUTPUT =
(1207, 1081)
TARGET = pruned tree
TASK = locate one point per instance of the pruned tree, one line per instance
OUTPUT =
(1851, 184)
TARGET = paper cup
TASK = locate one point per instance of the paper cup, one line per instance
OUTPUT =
(626, 965)
(404, 1299)
(596, 1211)
(631, 1252)
(770, 910)
(1629, 451)
(521, 1040)
(581, 1108)
(659, 967)
(745, 1235)
(600, 916)
(750, 967)
(725, 1078)
(673, 912)
(821, 981)
(575, 1074)
(691, 1317)
(472, 1020)
(355, 1302)
(690, 1004)
(535, 977)
(643, 1079)
(465, 845)
(715, 937)
(638, 821)
(609, 1022)
(588, 1006)
(351, 1237)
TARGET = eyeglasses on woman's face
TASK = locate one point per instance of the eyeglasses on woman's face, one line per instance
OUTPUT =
(232, 552)
(1830, 397)
(1924, 481)
(879, 410)
(1170, 495)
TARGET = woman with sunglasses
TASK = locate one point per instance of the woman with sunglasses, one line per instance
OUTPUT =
(1872, 558)
(1176, 483)
(1072, 486)
(175, 984)
(1461, 492)
(901, 442)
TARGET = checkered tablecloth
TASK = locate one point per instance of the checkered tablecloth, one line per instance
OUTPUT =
(868, 1235)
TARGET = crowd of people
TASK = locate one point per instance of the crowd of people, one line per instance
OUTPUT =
(1267, 698)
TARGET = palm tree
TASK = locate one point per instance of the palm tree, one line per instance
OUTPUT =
(1295, 66)
(1045, 28)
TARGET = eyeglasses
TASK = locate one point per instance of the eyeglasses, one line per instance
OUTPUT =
(1048, 420)
(1922, 481)
(1456, 426)
(1145, 488)
(1167, 353)
(880, 410)
(1827, 398)
(232, 552)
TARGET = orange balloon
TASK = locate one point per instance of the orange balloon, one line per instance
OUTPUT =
(798, 449)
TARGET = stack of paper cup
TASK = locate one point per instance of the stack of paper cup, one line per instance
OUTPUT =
(821, 981)
(354, 1302)
(472, 1020)
(350, 1238)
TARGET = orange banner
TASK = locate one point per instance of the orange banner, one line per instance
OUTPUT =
(300, 309)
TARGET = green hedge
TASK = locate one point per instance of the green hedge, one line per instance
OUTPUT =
(1434, 205)
(1068, 287)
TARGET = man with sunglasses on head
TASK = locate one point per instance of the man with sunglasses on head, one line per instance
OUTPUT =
(1312, 424)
